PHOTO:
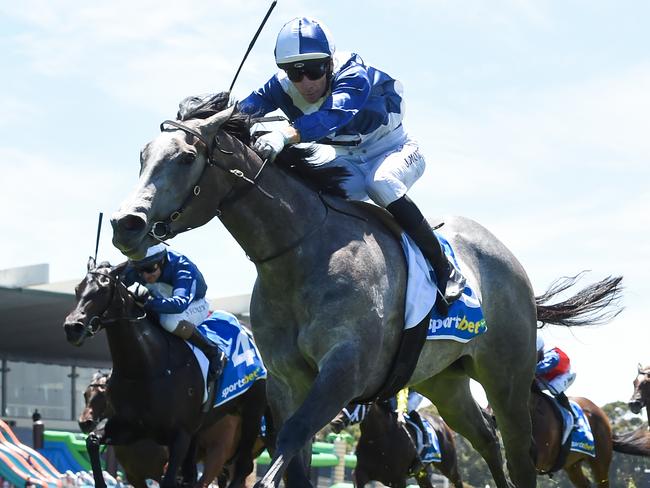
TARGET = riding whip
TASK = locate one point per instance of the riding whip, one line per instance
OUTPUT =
(250, 46)
(99, 231)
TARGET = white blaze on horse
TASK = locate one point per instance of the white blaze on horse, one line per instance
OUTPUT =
(328, 306)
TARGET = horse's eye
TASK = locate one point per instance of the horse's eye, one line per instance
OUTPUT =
(186, 159)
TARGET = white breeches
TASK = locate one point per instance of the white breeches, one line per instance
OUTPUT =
(196, 313)
(560, 383)
(382, 171)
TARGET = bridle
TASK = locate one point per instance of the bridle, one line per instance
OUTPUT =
(160, 230)
(96, 322)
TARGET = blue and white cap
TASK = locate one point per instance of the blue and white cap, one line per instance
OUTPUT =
(154, 254)
(303, 39)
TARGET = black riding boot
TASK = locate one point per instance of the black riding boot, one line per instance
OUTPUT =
(217, 361)
(563, 400)
(415, 417)
(450, 282)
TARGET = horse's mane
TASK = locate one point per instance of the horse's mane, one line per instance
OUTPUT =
(293, 160)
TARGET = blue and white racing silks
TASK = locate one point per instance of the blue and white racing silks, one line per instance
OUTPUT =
(362, 104)
(186, 282)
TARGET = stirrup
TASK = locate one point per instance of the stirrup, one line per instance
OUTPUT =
(455, 284)
(214, 372)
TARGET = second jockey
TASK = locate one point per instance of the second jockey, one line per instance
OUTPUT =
(170, 285)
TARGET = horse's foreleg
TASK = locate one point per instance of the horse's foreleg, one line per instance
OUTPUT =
(188, 470)
(177, 451)
(333, 388)
(107, 431)
(93, 441)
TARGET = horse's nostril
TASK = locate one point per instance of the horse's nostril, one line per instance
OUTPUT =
(131, 223)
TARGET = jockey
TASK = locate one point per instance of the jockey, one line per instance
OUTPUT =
(169, 284)
(407, 401)
(553, 372)
(354, 112)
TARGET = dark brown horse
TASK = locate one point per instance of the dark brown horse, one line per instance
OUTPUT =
(387, 451)
(144, 459)
(547, 432)
(156, 388)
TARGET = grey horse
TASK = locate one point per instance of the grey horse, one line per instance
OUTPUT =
(327, 308)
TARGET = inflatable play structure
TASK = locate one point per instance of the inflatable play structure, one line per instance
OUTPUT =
(64, 453)
(20, 463)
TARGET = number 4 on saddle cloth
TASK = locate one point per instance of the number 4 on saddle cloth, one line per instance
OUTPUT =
(464, 320)
(244, 366)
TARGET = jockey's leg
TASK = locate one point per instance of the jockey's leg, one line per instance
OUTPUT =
(450, 282)
(415, 417)
(217, 359)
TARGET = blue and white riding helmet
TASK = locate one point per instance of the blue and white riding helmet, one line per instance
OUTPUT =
(155, 254)
(303, 39)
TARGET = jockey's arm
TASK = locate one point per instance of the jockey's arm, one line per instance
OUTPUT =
(184, 288)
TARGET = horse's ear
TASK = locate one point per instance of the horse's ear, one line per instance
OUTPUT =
(119, 268)
(91, 263)
(639, 368)
(211, 124)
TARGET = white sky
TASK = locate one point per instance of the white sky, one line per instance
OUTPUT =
(533, 117)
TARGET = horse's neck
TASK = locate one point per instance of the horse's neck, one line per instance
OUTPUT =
(264, 226)
(138, 348)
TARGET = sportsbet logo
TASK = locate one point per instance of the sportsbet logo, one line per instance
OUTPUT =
(458, 323)
(241, 382)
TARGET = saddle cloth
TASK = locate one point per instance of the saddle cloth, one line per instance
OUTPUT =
(465, 318)
(428, 445)
(244, 365)
(582, 438)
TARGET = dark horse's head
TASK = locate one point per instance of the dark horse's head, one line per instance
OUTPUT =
(100, 296)
(193, 168)
(641, 394)
(96, 403)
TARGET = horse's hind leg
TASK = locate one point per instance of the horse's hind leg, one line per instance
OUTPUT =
(578, 477)
(450, 393)
(509, 398)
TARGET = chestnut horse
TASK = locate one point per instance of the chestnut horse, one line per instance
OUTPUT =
(156, 387)
(637, 442)
(547, 433)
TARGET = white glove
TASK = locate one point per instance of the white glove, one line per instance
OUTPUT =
(270, 144)
(140, 292)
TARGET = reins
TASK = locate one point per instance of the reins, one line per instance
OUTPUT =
(96, 321)
(161, 229)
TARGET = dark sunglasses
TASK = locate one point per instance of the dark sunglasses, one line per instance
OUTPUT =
(148, 269)
(313, 72)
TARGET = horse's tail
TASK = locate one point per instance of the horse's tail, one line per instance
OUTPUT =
(636, 443)
(595, 304)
